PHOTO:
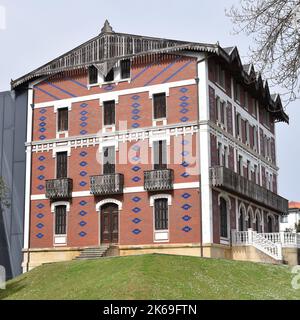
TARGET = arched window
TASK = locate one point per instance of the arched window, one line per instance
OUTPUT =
(242, 218)
(270, 224)
(258, 222)
(223, 218)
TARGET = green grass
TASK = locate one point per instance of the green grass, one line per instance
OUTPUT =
(153, 277)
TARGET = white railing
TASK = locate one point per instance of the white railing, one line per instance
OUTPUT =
(259, 241)
(286, 239)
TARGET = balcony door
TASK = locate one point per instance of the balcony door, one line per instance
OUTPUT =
(160, 155)
(109, 224)
(109, 160)
(61, 165)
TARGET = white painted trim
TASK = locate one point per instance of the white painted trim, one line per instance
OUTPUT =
(160, 196)
(106, 201)
(106, 96)
(58, 149)
(60, 203)
(62, 106)
(28, 170)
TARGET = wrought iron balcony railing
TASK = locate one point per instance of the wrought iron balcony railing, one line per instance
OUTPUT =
(229, 180)
(59, 188)
(157, 180)
(107, 184)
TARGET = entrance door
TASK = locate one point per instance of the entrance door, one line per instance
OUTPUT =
(110, 223)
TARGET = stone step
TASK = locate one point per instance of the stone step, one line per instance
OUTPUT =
(92, 253)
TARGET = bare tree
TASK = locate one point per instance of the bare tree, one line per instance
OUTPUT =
(275, 28)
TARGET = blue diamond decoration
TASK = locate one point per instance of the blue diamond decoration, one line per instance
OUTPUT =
(42, 137)
(83, 132)
(186, 196)
(186, 207)
(135, 118)
(42, 124)
(136, 97)
(40, 187)
(43, 111)
(136, 111)
(83, 154)
(184, 119)
(136, 210)
(41, 168)
(136, 148)
(136, 159)
(82, 234)
(185, 153)
(82, 213)
(136, 220)
(185, 142)
(184, 111)
(184, 104)
(136, 199)
(82, 223)
(83, 164)
(187, 229)
(136, 179)
(40, 206)
(184, 98)
(42, 130)
(83, 203)
(40, 216)
(185, 175)
(42, 158)
(82, 184)
(83, 105)
(83, 124)
(136, 105)
(109, 88)
(136, 168)
(41, 177)
(186, 218)
(184, 90)
(185, 164)
(136, 231)
(83, 173)
(83, 113)
(135, 126)
(40, 226)
(43, 118)
(84, 118)
(40, 235)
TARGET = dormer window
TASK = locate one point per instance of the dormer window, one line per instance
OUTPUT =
(93, 75)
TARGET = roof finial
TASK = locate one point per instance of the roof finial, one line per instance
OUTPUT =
(107, 27)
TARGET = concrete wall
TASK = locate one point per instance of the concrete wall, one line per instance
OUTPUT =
(13, 117)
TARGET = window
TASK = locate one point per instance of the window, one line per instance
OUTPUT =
(159, 102)
(238, 125)
(109, 113)
(61, 165)
(225, 157)
(247, 132)
(110, 76)
(161, 214)
(221, 111)
(223, 218)
(220, 154)
(160, 155)
(220, 76)
(125, 69)
(246, 103)
(248, 170)
(284, 219)
(256, 174)
(255, 137)
(93, 75)
(62, 121)
(240, 165)
(109, 160)
(242, 220)
(237, 92)
(60, 220)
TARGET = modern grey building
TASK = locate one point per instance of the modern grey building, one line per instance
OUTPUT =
(13, 115)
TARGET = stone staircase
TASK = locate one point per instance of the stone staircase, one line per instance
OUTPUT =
(93, 253)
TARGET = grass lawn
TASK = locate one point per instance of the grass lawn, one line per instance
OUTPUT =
(153, 277)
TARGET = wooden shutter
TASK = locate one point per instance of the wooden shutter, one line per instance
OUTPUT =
(159, 101)
(161, 214)
(61, 165)
(60, 220)
(63, 119)
(160, 155)
(109, 113)
(108, 160)
(125, 69)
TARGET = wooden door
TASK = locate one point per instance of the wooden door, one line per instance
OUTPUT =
(110, 223)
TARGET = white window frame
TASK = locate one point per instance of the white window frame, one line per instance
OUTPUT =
(61, 239)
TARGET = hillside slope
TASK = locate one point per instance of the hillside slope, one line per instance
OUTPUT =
(154, 277)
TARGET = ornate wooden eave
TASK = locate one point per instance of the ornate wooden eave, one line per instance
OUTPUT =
(108, 47)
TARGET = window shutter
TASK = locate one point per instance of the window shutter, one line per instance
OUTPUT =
(60, 220)
(109, 160)
(159, 101)
(109, 113)
(161, 214)
(61, 165)
(63, 119)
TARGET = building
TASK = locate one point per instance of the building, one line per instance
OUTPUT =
(13, 113)
(288, 222)
(138, 144)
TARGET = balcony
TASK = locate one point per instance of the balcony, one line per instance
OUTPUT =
(229, 180)
(59, 188)
(158, 180)
(107, 184)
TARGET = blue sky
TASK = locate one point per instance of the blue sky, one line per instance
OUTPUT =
(38, 31)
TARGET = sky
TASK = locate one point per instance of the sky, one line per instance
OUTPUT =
(34, 32)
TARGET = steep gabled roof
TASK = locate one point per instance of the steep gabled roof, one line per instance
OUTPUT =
(108, 47)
